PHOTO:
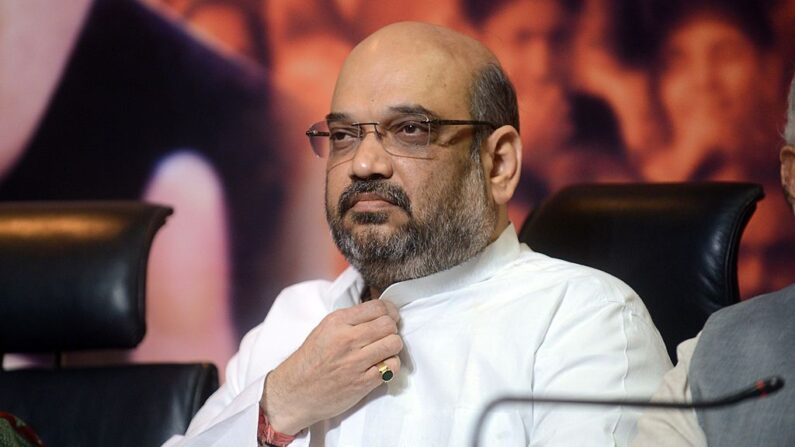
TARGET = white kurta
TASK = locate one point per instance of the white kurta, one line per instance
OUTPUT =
(673, 428)
(507, 321)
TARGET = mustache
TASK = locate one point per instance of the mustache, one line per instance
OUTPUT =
(383, 189)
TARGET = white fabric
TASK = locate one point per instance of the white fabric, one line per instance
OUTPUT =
(507, 321)
(673, 428)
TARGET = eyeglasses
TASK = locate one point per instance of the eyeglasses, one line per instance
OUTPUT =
(406, 135)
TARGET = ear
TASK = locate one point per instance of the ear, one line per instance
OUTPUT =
(787, 157)
(503, 163)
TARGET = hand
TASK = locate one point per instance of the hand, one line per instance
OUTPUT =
(334, 368)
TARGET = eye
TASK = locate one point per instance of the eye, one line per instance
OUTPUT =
(338, 136)
(411, 127)
(342, 136)
(411, 131)
(339, 133)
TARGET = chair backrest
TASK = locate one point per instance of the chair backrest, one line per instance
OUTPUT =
(675, 244)
(73, 277)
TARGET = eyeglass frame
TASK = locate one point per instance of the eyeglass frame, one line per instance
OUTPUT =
(312, 133)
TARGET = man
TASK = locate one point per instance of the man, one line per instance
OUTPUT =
(441, 302)
(738, 345)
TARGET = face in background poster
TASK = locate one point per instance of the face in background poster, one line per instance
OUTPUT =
(223, 90)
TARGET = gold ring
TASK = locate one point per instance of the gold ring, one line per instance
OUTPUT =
(386, 372)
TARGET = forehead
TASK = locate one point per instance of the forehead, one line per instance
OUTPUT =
(376, 81)
(706, 32)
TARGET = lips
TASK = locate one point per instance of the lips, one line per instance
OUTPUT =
(376, 199)
(367, 202)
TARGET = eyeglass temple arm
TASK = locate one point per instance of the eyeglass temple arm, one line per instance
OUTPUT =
(464, 122)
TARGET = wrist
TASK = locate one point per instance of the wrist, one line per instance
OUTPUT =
(277, 408)
(268, 436)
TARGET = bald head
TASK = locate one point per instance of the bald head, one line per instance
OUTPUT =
(412, 40)
(415, 53)
(409, 60)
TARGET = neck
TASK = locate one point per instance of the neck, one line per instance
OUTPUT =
(370, 293)
(501, 224)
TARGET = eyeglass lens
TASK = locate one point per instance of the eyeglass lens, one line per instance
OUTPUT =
(404, 135)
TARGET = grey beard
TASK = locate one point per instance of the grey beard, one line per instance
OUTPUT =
(455, 230)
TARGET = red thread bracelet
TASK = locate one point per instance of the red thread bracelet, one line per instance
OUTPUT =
(267, 436)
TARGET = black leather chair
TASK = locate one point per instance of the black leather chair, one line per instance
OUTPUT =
(675, 244)
(73, 278)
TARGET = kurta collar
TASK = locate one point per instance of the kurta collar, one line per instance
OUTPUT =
(347, 289)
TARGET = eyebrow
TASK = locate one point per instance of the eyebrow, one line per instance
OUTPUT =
(414, 108)
(336, 116)
(400, 108)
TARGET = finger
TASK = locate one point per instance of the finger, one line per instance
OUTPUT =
(391, 310)
(377, 351)
(373, 374)
(364, 312)
(372, 331)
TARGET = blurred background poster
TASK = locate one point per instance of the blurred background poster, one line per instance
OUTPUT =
(203, 104)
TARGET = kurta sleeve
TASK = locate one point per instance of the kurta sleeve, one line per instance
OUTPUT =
(672, 428)
(230, 416)
(600, 344)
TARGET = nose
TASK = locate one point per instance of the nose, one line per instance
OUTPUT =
(371, 159)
